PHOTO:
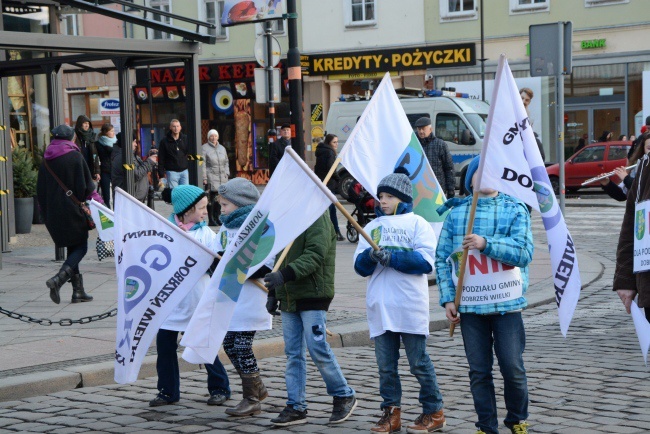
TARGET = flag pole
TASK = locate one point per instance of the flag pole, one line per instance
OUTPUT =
(463, 260)
(330, 196)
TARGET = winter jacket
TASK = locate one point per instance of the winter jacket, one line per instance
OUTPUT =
(504, 222)
(624, 276)
(85, 140)
(64, 220)
(172, 154)
(439, 157)
(308, 269)
(325, 158)
(276, 151)
(140, 171)
(104, 153)
(216, 169)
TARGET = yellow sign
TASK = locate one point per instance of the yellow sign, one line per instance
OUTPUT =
(317, 132)
(360, 76)
(317, 114)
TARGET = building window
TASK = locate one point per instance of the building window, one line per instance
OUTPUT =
(592, 3)
(455, 10)
(165, 6)
(212, 12)
(529, 6)
(360, 13)
(277, 26)
(70, 24)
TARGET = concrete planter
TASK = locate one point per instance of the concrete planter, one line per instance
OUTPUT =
(24, 214)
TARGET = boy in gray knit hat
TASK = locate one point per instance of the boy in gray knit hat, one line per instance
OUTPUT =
(397, 301)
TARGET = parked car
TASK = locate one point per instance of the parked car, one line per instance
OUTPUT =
(590, 161)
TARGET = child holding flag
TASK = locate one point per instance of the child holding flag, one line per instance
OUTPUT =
(237, 198)
(190, 209)
(397, 301)
(495, 282)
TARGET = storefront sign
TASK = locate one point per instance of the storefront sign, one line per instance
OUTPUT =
(403, 59)
(244, 71)
(594, 43)
(109, 106)
(360, 76)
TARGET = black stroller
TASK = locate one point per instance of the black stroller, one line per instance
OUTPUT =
(363, 209)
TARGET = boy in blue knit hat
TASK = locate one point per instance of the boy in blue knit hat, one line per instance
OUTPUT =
(397, 301)
(495, 282)
(190, 210)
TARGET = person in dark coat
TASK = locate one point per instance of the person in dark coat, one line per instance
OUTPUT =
(105, 142)
(85, 139)
(64, 220)
(276, 149)
(172, 156)
(325, 158)
(438, 154)
(141, 169)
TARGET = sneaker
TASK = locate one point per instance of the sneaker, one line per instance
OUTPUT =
(161, 399)
(217, 398)
(426, 423)
(290, 416)
(343, 407)
(519, 428)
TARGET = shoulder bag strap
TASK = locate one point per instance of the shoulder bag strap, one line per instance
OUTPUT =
(67, 191)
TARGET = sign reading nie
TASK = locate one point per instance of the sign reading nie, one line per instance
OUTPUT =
(442, 56)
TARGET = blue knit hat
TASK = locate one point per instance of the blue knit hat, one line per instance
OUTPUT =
(397, 184)
(185, 197)
(471, 170)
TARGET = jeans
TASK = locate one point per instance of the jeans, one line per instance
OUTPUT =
(334, 218)
(421, 366)
(177, 178)
(105, 186)
(507, 335)
(169, 380)
(307, 330)
(75, 255)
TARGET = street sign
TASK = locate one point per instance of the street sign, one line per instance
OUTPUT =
(261, 89)
(260, 51)
(545, 49)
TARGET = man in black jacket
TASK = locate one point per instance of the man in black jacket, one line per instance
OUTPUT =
(276, 149)
(438, 155)
(172, 156)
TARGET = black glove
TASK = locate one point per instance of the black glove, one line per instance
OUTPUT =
(382, 256)
(273, 280)
(272, 303)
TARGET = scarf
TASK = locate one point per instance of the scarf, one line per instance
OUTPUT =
(236, 218)
(190, 226)
(84, 136)
(107, 141)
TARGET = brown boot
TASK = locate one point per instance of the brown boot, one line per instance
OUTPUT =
(390, 421)
(426, 423)
(254, 391)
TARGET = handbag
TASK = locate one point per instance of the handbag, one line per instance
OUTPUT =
(82, 205)
(105, 249)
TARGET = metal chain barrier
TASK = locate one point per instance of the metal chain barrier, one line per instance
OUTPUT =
(62, 322)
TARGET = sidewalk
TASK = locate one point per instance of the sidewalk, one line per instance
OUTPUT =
(37, 360)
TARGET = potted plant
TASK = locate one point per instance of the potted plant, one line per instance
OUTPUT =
(24, 188)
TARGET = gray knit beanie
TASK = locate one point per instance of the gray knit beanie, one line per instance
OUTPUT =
(240, 192)
(398, 184)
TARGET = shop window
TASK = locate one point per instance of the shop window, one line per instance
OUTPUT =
(592, 3)
(457, 10)
(87, 104)
(360, 13)
(212, 11)
(70, 24)
(529, 6)
(449, 127)
(161, 5)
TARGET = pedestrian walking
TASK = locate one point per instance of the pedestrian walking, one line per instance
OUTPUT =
(325, 158)
(237, 198)
(216, 171)
(105, 141)
(398, 284)
(501, 235)
(303, 289)
(172, 156)
(64, 174)
(190, 209)
(438, 154)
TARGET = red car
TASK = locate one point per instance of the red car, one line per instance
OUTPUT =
(590, 161)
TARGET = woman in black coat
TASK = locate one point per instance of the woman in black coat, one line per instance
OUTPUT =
(325, 157)
(64, 220)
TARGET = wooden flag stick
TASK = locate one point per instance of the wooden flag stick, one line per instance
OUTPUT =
(463, 260)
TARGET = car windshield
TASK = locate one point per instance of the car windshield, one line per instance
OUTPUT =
(477, 120)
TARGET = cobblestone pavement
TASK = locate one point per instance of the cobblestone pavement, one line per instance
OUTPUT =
(594, 381)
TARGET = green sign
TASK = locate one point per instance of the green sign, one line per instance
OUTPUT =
(594, 43)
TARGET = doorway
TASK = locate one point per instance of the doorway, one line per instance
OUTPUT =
(589, 122)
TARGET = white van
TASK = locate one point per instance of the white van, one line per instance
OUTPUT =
(459, 121)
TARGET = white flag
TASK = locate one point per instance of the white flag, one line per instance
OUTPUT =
(511, 163)
(642, 327)
(383, 140)
(157, 265)
(103, 218)
(290, 203)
